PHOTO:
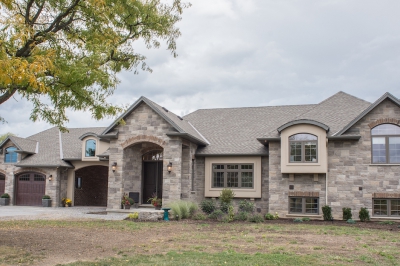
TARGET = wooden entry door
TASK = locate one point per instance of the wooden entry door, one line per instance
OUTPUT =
(152, 180)
(30, 189)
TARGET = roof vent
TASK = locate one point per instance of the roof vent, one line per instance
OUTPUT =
(179, 117)
(165, 109)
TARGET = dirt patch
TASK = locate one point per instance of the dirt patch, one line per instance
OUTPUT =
(49, 244)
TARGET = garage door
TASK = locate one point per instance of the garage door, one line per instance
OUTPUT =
(30, 189)
(2, 183)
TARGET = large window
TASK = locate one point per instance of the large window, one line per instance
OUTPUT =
(386, 207)
(304, 205)
(303, 148)
(90, 148)
(232, 176)
(11, 156)
(386, 144)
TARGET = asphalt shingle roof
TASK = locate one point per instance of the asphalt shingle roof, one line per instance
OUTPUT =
(72, 145)
(24, 144)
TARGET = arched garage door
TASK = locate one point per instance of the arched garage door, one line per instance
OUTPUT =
(30, 189)
(93, 186)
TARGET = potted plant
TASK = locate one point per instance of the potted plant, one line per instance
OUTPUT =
(155, 201)
(46, 201)
(127, 202)
(5, 199)
(66, 202)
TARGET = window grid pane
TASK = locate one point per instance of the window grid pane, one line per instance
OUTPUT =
(296, 205)
(310, 152)
(380, 207)
(295, 151)
(394, 149)
(232, 175)
(378, 150)
(312, 205)
(386, 129)
(232, 179)
(247, 179)
(218, 179)
(395, 208)
(10, 155)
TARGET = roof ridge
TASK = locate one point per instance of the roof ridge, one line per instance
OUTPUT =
(253, 107)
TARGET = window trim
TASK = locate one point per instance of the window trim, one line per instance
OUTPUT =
(225, 171)
(6, 152)
(303, 206)
(302, 148)
(388, 207)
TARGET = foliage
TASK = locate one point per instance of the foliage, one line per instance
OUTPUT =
(298, 220)
(246, 206)
(276, 216)
(176, 210)
(215, 215)
(327, 212)
(133, 216)
(208, 206)
(241, 216)
(46, 197)
(66, 54)
(226, 196)
(66, 201)
(351, 221)
(387, 222)
(347, 214)
(5, 196)
(269, 216)
(224, 207)
(126, 200)
(364, 214)
(199, 216)
(155, 201)
(183, 209)
(256, 218)
(193, 207)
(231, 213)
(305, 219)
(4, 136)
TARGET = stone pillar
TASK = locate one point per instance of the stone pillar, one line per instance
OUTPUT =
(115, 183)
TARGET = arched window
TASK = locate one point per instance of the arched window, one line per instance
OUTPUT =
(90, 148)
(10, 156)
(153, 156)
(385, 144)
(303, 148)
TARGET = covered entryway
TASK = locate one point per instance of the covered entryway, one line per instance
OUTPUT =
(152, 175)
(30, 189)
(2, 183)
(91, 186)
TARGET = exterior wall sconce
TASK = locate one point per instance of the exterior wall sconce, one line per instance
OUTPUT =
(50, 177)
(114, 166)
(169, 167)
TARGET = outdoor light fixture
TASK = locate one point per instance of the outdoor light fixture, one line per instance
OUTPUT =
(169, 167)
(50, 177)
(114, 166)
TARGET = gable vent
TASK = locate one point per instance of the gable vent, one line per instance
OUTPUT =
(165, 109)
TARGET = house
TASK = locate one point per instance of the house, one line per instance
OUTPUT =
(341, 152)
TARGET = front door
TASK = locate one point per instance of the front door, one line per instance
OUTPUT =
(152, 180)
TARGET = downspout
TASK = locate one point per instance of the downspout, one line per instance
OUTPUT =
(326, 175)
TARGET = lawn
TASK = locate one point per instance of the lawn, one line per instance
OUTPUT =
(194, 243)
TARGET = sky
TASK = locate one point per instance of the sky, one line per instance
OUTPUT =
(235, 53)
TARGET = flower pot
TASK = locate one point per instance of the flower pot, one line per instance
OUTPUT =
(127, 207)
(4, 201)
(46, 202)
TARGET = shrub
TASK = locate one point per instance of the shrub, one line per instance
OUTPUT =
(231, 214)
(193, 207)
(256, 218)
(298, 220)
(46, 197)
(215, 215)
(224, 207)
(199, 216)
(208, 206)
(241, 216)
(5, 196)
(226, 195)
(183, 205)
(269, 216)
(327, 211)
(276, 216)
(305, 219)
(131, 201)
(176, 210)
(133, 216)
(350, 221)
(246, 206)
(364, 215)
(347, 214)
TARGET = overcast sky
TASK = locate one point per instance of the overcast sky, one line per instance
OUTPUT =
(235, 53)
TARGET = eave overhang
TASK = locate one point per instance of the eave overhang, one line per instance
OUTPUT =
(303, 121)
(188, 137)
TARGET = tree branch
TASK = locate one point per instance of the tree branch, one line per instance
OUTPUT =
(7, 95)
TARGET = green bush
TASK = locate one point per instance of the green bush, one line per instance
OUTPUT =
(133, 216)
(231, 214)
(256, 218)
(298, 220)
(305, 219)
(327, 211)
(224, 207)
(364, 215)
(183, 209)
(269, 216)
(208, 206)
(226, 195)
(5, 196)
(46, 197)
(183, 205)
(131, 201)
(216, 215)
(387, 222)
(241, 216)
(246, 206)
(176, 210)
(351, 221)
(193, 207)
(347, 214)
(199, 216)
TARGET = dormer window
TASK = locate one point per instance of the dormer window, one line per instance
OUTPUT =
(90, 148)
(303, 148)
(11, 156)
